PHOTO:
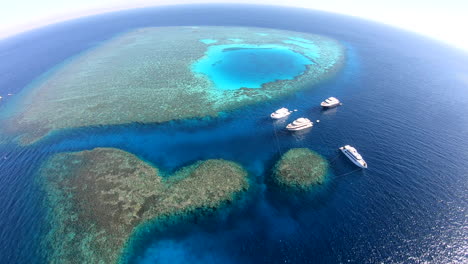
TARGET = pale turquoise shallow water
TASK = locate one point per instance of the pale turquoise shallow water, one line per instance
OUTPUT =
(208, 41)
(236, 66)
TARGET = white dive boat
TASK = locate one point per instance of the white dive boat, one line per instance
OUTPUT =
(299, 124)
(354, 156)
(330, 102)
(280, 113)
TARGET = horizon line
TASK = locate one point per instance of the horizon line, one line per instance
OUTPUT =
(66, 17)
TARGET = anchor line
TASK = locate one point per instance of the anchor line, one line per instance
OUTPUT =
(277, 139)
(334, 158)
(344, 174)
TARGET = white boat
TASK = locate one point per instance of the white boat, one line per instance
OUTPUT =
(330, 102)
(280, 113)
(299, 124)
(354, 156)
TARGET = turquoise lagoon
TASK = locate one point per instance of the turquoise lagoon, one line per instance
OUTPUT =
(237, 66)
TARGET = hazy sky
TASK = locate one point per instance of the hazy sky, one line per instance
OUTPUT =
(445, 20)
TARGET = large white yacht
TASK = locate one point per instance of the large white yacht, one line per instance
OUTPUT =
(330, 102)
(299, 124)
(354, 156)
(280, 113)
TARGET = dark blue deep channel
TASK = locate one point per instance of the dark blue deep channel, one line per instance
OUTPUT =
(405, 105)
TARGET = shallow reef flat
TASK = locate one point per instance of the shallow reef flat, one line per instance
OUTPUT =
(97, 198)
(300, 168)
(152, 75)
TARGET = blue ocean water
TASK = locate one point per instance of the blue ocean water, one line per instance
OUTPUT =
(405, 105)
(230, 67)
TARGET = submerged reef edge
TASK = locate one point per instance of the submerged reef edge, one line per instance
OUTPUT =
(101, 200)
(300, 169)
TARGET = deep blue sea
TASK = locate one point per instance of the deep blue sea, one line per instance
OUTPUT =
(405, 109)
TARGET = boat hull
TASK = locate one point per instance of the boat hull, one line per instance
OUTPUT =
(350, 157)
(329, 105)
(298, 128)
(279, 117)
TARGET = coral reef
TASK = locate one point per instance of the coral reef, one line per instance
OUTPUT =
(300, 168)
(97, 198)
(147, 75)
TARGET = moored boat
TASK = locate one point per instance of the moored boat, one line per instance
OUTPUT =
(299, 124)
(354, 156)
(281, 113)
(330, 102)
